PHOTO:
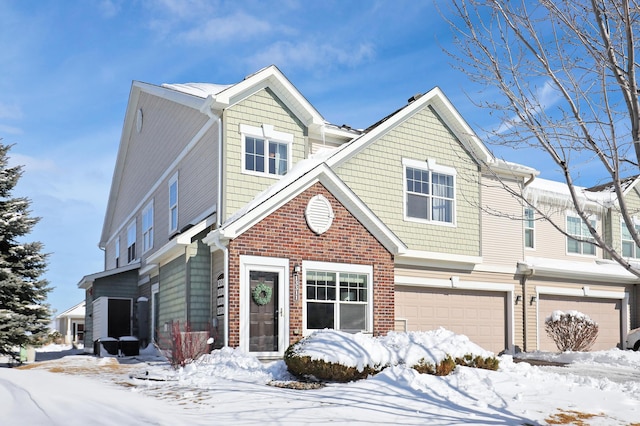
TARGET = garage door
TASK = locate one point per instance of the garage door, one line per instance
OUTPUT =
(606, 312)
(480, 315)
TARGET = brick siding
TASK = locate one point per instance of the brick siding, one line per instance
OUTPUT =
(285, 234)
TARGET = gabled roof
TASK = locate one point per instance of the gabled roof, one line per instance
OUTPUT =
(206, 98)
(445, 110)
(74, 311)
(303, 175)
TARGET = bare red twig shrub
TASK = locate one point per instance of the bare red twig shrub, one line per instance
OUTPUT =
(183, 347)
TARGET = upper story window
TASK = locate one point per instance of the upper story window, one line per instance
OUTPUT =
(131, 242)
(338, 297)
(578, 229)
(147, 227)
(265, 150)
(117, 252)
(629, 247)
(429, 191)
(529, 228)
(173, 204)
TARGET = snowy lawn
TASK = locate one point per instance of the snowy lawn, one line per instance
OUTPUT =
(229, 387)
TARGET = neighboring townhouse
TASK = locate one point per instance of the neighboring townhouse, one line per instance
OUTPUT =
(239, 210)
(70, 324)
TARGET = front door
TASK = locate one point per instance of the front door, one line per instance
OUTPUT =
(264, 311)
(264, 329)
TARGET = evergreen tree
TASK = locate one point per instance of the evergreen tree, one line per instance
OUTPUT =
(24, 316)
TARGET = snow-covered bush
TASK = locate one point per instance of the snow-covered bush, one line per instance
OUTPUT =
(571, 330)
(331, 355)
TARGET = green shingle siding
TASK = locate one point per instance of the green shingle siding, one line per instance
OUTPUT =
(376, 175)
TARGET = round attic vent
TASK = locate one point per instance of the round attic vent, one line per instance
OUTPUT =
(319, 214)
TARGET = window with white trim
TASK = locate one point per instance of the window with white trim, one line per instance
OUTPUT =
(338, 297)
(265, 151)
(629, 247)
(147, 227)
(117, 252)
(429, 191)
(173, 204)
(529, 228)
(131, 242)
(577, 229)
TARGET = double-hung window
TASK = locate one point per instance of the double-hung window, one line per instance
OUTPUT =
(173, 204)
(131, 242)
(578, 230)
(117, 252)
(338, 297)
(529, 228)
(147, 227)
(265, 150)
(629, 247)
(429, 191)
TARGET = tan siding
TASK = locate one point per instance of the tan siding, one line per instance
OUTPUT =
(167, 128)
(261, 108)
(502, 225)
(376, 175)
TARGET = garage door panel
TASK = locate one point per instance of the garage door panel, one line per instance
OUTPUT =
(606, 312)
(480, 315)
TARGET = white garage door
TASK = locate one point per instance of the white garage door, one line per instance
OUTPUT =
(606, 312)
(480, 315)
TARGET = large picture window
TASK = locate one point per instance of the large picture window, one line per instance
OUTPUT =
(429, 192)
(338, 298)
(578, 230)
(266, 151)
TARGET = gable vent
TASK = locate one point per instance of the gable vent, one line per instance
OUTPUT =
(319, 214)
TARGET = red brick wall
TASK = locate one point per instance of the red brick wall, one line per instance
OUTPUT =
(285, 234)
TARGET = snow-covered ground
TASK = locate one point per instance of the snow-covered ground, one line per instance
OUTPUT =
(229, 387)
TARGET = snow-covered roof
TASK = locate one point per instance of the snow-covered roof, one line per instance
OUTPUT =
(557, 193)
(201, 90)
(75, 311)
(599, 269)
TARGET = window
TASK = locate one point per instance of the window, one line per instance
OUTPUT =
(117, 252)
(131, 242)
(266, 151)
(429, 191)
(173, 204)
(629, 247)
(147, 227)
(338, 298)
(529, 236)
(579, 230)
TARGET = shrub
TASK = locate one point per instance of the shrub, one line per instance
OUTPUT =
(443, 368)
(305, 368)
(571, 330)
(184, 347)
(485, 363)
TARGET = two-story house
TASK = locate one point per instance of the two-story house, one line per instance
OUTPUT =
(240, 210)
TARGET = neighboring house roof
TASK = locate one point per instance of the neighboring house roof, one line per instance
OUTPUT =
(76, 311)
(87, 281)
(557, 193)
(302, 176)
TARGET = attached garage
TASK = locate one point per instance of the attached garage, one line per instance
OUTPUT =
(480, 315)
(606, 312)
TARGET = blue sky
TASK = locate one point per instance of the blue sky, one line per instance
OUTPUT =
(67, 68)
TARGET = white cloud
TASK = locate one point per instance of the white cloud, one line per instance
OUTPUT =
(312, 56)
(11, 112)
(110, 8)
(238, 26)
(10, 130)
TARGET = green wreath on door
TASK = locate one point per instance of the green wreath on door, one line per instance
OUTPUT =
(261, 294)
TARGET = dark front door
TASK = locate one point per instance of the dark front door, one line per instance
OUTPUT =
(264, 309)
(119, 318)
